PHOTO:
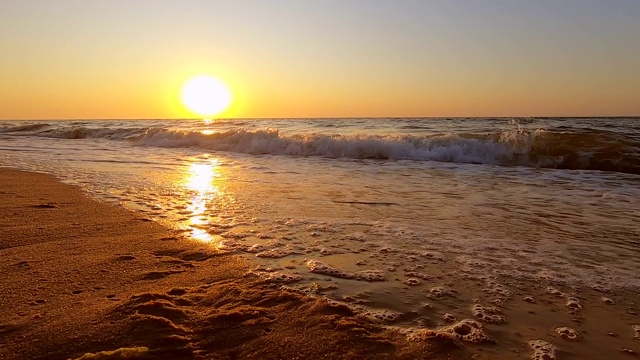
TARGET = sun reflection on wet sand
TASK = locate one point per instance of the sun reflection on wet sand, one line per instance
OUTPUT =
(200, 181)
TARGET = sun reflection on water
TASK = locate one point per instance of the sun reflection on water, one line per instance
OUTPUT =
(201, 177)
(201, 182)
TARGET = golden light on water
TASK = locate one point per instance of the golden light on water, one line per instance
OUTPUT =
(200, 181)
(201, 176)
(206, 96)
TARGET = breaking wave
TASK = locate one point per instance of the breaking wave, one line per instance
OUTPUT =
(539, 148)
(578, 150)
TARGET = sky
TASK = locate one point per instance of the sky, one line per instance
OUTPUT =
(105, 59)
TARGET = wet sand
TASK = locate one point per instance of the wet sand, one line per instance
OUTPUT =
(80, 277)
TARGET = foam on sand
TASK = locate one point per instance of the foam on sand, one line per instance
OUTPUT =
(319, 267)
(608, 300)
(496, 288)
(542, 350)
(573, 304)
(273, 253)
(467, 330)
(277, 277)
(555, 292)
(369, 275)
(448, 317)
(568, 333)
(440, 291)
(412, 282)
(382, 315)
(488, 314)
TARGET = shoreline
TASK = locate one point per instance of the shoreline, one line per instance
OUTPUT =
(80, 276)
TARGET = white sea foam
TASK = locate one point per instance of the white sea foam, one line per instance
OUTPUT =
(450, 147)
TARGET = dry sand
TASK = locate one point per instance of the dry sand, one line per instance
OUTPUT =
(80, 277)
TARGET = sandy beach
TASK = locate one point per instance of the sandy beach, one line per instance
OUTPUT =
(82, 279)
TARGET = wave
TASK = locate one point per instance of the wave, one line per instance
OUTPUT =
(533, 148)
(28, 127)
(578, 150)
(83, 132)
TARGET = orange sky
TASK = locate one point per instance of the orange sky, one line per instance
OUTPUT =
(117, 59)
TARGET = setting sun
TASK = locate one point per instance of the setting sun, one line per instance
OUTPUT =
(206, 95)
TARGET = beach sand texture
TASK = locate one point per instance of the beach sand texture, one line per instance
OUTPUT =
(81, 277)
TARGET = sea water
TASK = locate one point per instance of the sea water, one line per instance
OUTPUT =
(528, 226)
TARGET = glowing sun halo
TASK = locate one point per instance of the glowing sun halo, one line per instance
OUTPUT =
(206, 95)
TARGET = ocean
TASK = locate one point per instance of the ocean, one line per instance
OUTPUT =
(528, 225)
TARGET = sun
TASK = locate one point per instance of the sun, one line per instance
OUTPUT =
(206, 95)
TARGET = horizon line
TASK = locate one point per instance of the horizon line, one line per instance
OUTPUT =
(331, 117)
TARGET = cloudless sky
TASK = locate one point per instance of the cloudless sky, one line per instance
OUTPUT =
(304, 58)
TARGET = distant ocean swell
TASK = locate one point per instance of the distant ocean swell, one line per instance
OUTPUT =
(533, 148)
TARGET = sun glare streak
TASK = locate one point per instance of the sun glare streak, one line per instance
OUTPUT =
(201, 176)
(201, 182)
